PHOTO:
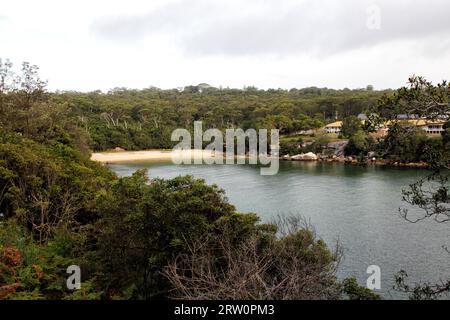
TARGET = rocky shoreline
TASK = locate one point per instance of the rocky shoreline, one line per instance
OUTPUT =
(352, 160)
(165, 155)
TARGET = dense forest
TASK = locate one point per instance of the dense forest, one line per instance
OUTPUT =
(145, 119)
(142, 238)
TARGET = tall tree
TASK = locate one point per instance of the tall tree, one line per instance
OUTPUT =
(423, 99)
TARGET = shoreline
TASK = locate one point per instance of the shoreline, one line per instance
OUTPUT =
(375, 163)
(148, 155)
(111, 157)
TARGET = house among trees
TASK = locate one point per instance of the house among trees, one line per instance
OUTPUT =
(431, 127)
(334, 127)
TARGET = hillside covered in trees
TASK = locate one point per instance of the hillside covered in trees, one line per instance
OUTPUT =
(132, 237)
(145, 119)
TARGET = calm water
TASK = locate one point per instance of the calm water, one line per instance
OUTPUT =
(357, 206)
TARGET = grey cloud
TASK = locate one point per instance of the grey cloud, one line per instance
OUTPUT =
(170, 19)
(319, 27)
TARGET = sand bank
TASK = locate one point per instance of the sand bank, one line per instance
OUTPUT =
(152, 155)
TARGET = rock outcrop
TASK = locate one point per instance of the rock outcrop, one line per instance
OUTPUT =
(305, 157)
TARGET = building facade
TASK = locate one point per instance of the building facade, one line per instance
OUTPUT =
(334, 127)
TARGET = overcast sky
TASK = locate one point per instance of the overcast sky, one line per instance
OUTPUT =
(87, 45)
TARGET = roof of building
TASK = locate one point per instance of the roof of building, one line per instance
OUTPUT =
(336, 124)
(410, 122)
(407, 116)
(417, 122)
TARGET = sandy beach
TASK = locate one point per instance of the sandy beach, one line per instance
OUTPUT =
(151, 155)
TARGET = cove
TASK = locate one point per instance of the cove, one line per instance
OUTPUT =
(356, 205)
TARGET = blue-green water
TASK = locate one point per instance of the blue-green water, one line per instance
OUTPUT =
(357, 206)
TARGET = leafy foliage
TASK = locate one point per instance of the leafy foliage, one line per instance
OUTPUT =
(421, 99)
(257, 265)
(350, 126)
(359, 144)
(354, 291)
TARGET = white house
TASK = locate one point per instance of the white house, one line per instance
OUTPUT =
(432, 127)
(334, 127)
